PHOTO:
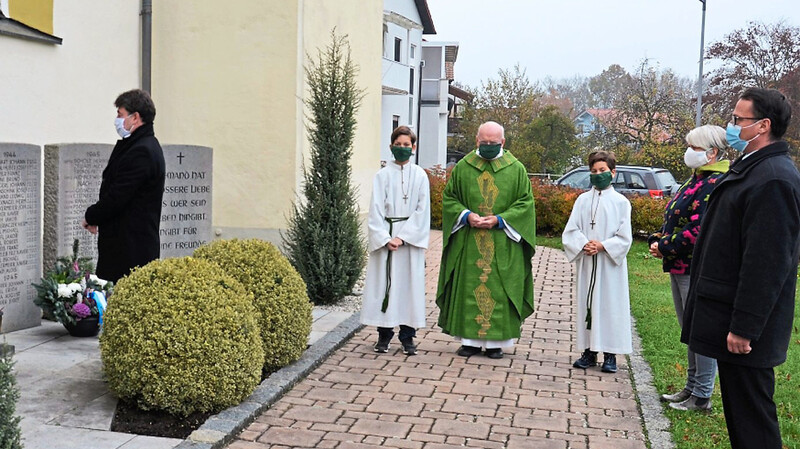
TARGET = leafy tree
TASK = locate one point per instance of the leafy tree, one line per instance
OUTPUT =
(553, 147)
(511, 100)
(656, 110)
(761, 55)
(609, 88)
(324, 240)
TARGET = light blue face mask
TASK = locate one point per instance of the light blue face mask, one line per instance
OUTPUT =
(732, 133)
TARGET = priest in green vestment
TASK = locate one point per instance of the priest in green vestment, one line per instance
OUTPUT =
(489, 233)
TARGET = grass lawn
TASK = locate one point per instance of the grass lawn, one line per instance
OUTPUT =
(651, 305)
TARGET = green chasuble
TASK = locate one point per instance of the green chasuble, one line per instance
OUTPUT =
(485, 280)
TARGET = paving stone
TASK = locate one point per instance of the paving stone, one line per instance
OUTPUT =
(291, 437)
(381, 428)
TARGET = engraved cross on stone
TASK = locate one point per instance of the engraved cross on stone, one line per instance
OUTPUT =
(180, 158)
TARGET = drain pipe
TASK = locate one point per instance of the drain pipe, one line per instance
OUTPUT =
(147, 42)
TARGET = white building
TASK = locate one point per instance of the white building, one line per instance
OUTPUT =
(404, 23)
(437, 74)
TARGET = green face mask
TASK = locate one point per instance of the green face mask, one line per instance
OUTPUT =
(401, 154)
(600, 180)
(489, 151)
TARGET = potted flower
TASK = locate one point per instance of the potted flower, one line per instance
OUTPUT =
(72, 295)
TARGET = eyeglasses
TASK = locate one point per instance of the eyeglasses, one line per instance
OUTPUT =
(736, 119)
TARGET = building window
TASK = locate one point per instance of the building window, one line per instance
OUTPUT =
(413, 51)
(411, 112)
(411, 81)
(395, 122)
(398, 43)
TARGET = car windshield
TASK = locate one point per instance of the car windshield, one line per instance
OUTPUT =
(665, 179)
(578, 180)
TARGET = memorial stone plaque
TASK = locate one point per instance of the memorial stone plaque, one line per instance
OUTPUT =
(186, 208)
(72, 177)
(20, 232)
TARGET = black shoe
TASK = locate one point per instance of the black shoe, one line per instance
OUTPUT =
(588, 359)
(382, 345)
(494, 353)
(609, 363)
(409, 348)
(468, 351)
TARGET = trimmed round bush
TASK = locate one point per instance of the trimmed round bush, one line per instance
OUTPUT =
(279, 294)
(182, 336)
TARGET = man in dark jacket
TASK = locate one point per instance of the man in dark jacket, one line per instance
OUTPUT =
(744, 270)
(128, 213)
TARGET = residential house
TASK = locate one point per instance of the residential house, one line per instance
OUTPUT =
(404, 23)
(435, 104)
(589, 120)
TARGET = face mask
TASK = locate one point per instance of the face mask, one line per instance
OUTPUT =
(489, 151)
(401, 154)
(119, 123)
(600, 180)
(732, 135)
(695, 159)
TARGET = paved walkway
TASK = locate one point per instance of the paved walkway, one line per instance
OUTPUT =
(532, 398)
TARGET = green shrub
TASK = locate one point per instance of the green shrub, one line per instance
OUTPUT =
(437, 178)
(9, 395)
(647, 214)
(182, 336)
(553, 206)
(278, 291)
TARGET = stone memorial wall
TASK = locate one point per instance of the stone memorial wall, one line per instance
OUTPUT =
(73, 173)
(20, 231)
(72, 176)
(186, 208)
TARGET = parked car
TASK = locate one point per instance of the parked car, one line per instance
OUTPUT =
(630, 180)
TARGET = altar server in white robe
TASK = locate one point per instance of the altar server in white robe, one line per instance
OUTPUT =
(597, 239)
(399, 229)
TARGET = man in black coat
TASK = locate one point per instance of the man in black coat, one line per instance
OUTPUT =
(744, 269)
(128, 213)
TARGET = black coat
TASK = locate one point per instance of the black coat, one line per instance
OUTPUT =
(128, 211)
(745, 260)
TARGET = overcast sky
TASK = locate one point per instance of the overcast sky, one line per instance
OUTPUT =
(564, 38)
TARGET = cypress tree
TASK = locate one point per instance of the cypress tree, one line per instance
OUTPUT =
(10, 433)
(324, 240)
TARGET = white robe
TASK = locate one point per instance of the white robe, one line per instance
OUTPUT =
(407, 293)
(611, 314)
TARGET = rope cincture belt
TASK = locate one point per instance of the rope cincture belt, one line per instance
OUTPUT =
(391, 221)
(591, 293)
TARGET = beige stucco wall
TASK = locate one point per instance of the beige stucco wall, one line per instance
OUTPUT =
(232, 78)
(65, 93)
(362, 22)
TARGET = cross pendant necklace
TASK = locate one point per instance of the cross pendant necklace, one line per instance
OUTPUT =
(403, 184)
(594, 213)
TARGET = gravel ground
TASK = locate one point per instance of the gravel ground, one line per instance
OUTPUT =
(350, 303)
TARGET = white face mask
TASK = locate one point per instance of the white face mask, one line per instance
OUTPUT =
(119, 123)
(695, 159)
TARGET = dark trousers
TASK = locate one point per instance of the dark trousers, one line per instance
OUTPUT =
(750, 412)
(406, 332)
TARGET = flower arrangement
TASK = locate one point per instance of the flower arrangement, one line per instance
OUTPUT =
(69, 292)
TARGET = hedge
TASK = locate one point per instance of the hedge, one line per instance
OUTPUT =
(554, 204)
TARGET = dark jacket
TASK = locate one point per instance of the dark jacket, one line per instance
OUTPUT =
(744, 267)
(128, 212)
(682, 218)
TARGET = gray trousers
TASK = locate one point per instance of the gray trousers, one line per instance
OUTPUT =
(702, 369)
